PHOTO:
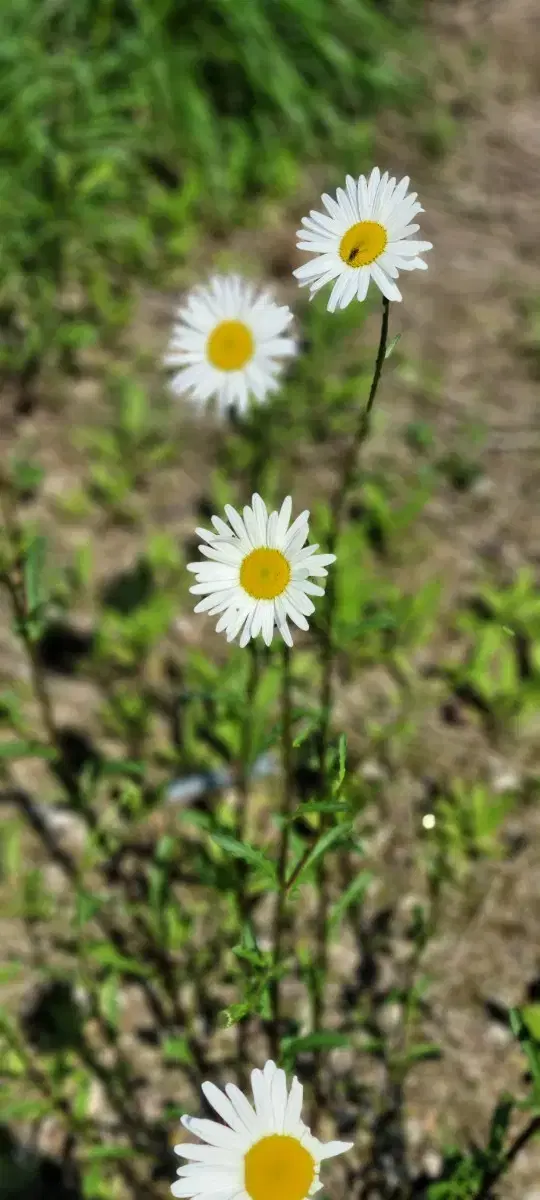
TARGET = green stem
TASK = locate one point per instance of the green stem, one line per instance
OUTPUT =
(493, 1176)
(241, 825)
(283, 853)
(338, 508)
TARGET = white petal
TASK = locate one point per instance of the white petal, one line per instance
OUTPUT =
(311, 589)
(279, 1099)
(301, 602)
(330, 1149)
(338, 290)
(213, 1133)
(204, 1178)
(212, 605)
(261, 1097)
(295, 545)
(350, 290)
(210, 585)
(294, 1106)
(224, 552)
(224, 530)
(281, 620)
(363, 283)
(185, 1188)
(284, 517)
(331, 206)
(271, 532)
(294, 615)
(268, 624)
(250, 522)
(223, 1107)
(410, 248)
(388, 289)
(297, 525)
(236, 522)
(179, 1189)
(211, 1155)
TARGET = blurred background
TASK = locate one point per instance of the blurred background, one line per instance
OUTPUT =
(146, 144)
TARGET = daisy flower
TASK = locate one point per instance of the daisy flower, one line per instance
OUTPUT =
(263, 1152)
(364, 234)
(227, 342)
(258, 576)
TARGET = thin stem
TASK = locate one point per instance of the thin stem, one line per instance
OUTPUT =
(283, 853)
(241, 825)
(338, 507)
(517, 1146)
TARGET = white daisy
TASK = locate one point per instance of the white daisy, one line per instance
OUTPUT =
(260, 1153)
(364, 234)
(227, 341)
(259, 573)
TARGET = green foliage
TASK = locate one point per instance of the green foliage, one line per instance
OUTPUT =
(501, 665)
(123, 125)
(468, 824)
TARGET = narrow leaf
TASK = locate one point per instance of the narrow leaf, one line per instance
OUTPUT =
(355, 892)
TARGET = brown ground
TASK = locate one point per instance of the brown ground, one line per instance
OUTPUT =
(465, 316)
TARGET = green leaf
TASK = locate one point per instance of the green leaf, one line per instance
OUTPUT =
(86, 907)
(355, 892)
(234, 1013)
(109, 999)
(291, 1047)
(10, 851)
(324, 1040)
(319, 806)
(95, 1183)
(246, 852)
(500, 1124)
(332, 838)
(107, 956)
(20, 749)
(99, 1153)
(342, 765)
(165, 849)
(34, 567)
(9, 971)
(531, 1016)
(25, 1110)
(530, 1049)
(392, 345)
(81, 1100)
(424, 1051)
(177, 1049)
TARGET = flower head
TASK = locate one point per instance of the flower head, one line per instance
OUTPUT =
(259, 572)
(227, 343)
(264, 1152)
(364, 234)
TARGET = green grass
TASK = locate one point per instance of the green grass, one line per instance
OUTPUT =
(131, 128)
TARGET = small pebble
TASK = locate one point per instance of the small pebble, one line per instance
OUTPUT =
(432, 1163)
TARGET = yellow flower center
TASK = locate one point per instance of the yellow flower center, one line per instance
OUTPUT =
(230, 346)
(265, 573)
(363, 243)
(278, 1167)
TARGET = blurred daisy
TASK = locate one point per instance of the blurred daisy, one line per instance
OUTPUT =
(263, 1152)
(364, 234)
(227, 343)
(258, 576)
